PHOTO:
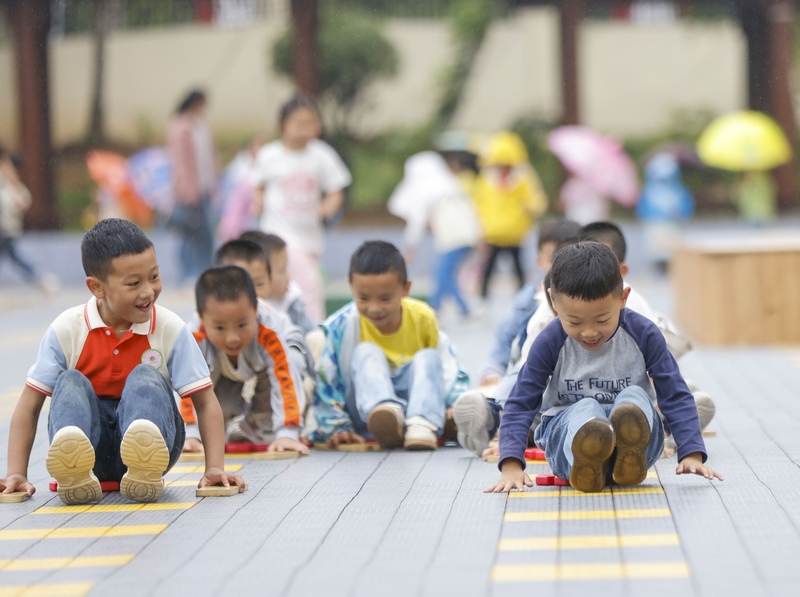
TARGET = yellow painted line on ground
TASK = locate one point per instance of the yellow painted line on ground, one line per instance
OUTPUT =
(587, 542)
(566, 492)
(113, 508)
(600, 571)
(199, 468)
(585, 515)
(53, 563)
(60, 590)
(81, 532)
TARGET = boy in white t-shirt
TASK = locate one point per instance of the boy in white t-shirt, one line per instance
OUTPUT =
(300, 184)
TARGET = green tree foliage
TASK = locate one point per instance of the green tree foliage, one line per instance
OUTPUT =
(352, 53)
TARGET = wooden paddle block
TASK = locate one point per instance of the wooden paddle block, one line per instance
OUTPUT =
(709, 433)
(560, 481)
(545, 479)
(285, 455)
(367, 447)
(13, 497)
(244, 447)
(534, 454)
(321, 446)
(217, 491)
(193, 457)
(492, 458)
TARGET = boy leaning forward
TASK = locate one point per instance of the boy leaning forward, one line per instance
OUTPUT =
(590, 372)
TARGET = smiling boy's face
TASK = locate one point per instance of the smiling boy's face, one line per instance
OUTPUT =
(378, 297)
(590, 323)
(130, 290)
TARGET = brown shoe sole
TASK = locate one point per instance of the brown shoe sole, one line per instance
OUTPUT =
(633, 435)
(385, 427)
(591, 449)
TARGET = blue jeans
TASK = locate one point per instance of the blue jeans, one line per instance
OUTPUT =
(197, 238)
(446, 279)
(147, 395)
(556, 433)
(417, 386)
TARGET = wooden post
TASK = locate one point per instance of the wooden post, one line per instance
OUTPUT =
(30, 21)
(571, 13)
(780, 16)
(305, 20)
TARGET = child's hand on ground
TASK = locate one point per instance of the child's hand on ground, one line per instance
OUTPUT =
(286, 443)
(344, 437)
(17, 482)
(193, 444)
(512, 477)
(490, 451)
(693, 463)
(216, 476)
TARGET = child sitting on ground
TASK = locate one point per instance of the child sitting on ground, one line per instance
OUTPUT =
(589, 372)
(111, 366)
(282, 294)
(241, 339)
(386, 369)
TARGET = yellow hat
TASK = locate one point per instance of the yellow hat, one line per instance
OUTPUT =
(504, 149)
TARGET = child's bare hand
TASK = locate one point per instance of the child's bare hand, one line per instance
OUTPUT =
(490, 380)
(693, 463)
(344, 437)
(490, 451)
(216, 476)
(193, 444)
(512, 478)
(286, 443)
(17, 482)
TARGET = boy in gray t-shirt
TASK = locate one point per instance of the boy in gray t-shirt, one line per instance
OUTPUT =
(589, 373)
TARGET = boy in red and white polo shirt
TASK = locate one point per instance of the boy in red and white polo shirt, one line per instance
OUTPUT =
(110, 366)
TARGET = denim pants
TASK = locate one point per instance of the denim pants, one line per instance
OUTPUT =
(197, 238)
(147, 395)
(556, 433)
(446, 279)
(417, 386)
(254, 416)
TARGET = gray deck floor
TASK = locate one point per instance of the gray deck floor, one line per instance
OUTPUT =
(418, 523)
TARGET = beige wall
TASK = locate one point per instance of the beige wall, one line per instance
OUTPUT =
(632, 77)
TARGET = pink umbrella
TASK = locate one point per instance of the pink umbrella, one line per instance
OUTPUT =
(598, 161)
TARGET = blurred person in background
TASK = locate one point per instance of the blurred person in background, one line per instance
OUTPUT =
(15, 201)
(194, 177)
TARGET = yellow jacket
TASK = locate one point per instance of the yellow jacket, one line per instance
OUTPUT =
(508, 211)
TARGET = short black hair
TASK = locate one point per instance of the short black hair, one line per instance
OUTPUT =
(107, 240)
(190, 100)
(378, 257)
(298, 102)
(242, 250)
(271, 243)
(586, 271)
(224, 283)
(557, 230)
(607, 233)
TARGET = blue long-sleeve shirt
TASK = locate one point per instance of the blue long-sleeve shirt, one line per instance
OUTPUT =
(559, 372)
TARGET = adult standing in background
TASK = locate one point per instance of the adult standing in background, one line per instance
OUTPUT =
(194, 176)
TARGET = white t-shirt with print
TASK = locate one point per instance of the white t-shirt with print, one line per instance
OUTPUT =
(294, 183)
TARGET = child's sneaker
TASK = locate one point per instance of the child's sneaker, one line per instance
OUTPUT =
(420, 434)
(70, 461)
(385, 423)
(705, 408)
(473, 420)
(633, 435)
(592, 447)
(145, 453)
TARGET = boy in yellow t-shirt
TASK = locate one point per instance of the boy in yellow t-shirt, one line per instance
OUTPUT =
(386, 369)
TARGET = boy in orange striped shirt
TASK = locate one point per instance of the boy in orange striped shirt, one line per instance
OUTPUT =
(241, 338)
